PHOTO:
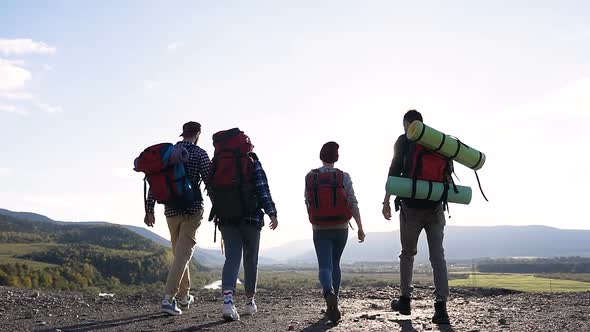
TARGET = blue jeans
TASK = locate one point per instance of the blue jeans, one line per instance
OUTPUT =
(329, 245)
(238, 238)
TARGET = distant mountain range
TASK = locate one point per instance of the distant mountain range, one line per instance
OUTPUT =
(461, 243)
(211, 258)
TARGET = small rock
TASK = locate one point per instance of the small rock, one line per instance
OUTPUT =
(58, 330)
(42, 323)
(356, 320)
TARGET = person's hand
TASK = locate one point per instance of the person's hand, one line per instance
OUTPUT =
(273, 222)
(361, 235)
(149, 219)
(386, 211)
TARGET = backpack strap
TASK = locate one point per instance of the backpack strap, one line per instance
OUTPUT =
(397, 203)
(442, 142)
(445, 198)
(315, 183)
(335, 184)
(429, 190)
(479, 184)
(414, 184)
(145, 194)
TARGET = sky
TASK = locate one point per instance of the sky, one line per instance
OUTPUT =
(86, 86)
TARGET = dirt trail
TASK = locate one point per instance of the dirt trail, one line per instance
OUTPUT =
(364, 309)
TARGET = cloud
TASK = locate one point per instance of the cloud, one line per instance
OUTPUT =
(149, 85)
(25, 46)
(16, 95)
(49, 108)
(7, 108)
(6, 171)
(12, 76)
(174, 46)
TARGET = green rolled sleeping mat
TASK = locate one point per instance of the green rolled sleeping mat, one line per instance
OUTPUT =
(402, 187)
(446, 145)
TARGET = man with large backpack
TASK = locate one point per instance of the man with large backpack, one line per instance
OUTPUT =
(241, 197)
(412, 160)
(331, 203)
(184, 165)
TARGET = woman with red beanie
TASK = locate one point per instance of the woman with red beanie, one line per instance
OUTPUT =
(331, 203)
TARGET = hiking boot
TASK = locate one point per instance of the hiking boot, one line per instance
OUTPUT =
(250, 308)
(332, 311)
(402, 305)
(186, 302)
(170, 307)
(440, 313)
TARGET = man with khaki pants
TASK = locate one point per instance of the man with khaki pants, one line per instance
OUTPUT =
(183, 223)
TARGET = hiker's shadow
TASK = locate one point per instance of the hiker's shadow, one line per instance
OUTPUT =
(100, 325)
(407, 326)
(445, 328)
(320, 326)
(109, 324)
(204, 326)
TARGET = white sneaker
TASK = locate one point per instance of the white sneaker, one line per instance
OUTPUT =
(230, 312)
(185, 303)
(170, 307)
(250, 308)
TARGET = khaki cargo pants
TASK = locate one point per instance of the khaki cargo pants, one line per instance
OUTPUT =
(183, 231)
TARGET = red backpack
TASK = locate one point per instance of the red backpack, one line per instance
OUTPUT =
(232, 175)
(327, 198)
(428, 165)
(163, 166)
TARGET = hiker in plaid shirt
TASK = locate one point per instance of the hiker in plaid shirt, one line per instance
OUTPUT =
(241, 234)
(183, 223)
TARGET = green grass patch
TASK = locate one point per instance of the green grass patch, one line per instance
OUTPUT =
(521, 282)
(8, 251)
(309, 278)
(17, 249)
(584, 277)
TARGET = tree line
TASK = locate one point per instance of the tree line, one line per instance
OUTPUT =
(536, 265)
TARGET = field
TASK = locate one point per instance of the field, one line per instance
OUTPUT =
(8, 251)
(523, 282)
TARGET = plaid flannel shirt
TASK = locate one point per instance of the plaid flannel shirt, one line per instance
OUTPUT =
(265, 201)
(197, 169)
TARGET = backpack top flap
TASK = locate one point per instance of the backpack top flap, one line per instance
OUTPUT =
(154, 159)
(233, 163)
(232, 140)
